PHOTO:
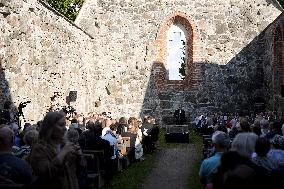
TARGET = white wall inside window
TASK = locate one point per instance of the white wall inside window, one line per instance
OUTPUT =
(176, 45)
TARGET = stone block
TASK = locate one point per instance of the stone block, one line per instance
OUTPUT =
(166, 104)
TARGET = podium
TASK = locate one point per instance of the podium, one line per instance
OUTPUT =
(177, 134)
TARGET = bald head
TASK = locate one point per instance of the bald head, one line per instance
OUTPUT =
(6, 139)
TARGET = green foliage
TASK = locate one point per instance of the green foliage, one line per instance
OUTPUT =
(182, 69)
(69, 8)
(281, 2)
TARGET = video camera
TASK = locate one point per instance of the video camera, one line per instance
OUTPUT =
(23, 104)
(69, 109)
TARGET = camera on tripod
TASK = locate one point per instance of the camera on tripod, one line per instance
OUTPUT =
(21, 113)
(69, 110)
(23, 104)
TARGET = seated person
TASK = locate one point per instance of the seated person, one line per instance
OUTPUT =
(12, 169)
(29, 139)
(276, 153)
(121, 126)
(91, 139)
(262, 147)
(209, 166)
(132, 134)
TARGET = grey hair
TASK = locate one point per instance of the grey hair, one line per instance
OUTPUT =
(31, 137)
(264, 124)
(221, 139)
(244, 144)
(72, 135)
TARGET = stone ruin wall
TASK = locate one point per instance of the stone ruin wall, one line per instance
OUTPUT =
(109, 60)
(41, 53)
(274, 65)
(216, 42)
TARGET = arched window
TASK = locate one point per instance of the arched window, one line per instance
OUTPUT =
(176, 51)
(174, 67)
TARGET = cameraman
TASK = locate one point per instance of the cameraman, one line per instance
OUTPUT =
(5, 113)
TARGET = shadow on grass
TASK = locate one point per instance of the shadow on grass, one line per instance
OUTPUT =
(135, 175)
(194, 181)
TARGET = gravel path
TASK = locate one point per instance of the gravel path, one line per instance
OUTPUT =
(172, 168)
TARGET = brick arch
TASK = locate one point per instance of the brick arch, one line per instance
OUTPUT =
(162, 82)
(278, 66)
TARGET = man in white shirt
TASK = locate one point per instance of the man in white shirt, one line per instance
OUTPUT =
(112, 140)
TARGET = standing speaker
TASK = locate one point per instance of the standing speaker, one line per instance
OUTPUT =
(72, 96)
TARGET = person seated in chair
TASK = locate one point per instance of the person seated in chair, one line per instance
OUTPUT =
(210, 165)
(13, 170)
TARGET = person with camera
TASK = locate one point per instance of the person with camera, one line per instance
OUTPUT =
(53, 162)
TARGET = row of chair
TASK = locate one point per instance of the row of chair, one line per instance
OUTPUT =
(208, 149)
(95, 167)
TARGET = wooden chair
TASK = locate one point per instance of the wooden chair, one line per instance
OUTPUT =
(125, 141)
(207, 146)
(95, 170)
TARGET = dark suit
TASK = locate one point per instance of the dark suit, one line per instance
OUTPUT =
(180, 116)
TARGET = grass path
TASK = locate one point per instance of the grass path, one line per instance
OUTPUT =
(172, 169)
(173, 166)
(176, 166)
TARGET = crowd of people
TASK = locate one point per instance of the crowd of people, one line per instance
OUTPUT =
(50, 154)
(247, 151)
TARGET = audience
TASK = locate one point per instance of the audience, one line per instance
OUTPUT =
(256, 156)
(276, 153)
(13, 170)
(244, 155)
(262, 147)
(29, 139)
(209, 166)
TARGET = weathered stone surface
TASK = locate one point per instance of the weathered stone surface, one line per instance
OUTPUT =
(109, 60)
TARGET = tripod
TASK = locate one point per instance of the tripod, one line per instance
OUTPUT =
(21, 118)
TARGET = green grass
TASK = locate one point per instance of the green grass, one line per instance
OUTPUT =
(134, 176)
(193, 181)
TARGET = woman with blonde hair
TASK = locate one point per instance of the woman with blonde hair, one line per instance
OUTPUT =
(53, 162)
(135, 129)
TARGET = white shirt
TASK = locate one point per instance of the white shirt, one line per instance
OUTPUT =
(112, 141)
(105, 130)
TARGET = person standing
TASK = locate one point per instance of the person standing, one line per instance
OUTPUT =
(13, 170)
(53, 162)
(180, 116)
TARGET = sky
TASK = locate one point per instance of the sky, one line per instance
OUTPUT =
(176, 36)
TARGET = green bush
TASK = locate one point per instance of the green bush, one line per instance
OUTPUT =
(281, 2)
(69, 8)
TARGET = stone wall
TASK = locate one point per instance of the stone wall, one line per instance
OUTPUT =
(111, 60)
(42, 53)
(274, 66)
(227, 43)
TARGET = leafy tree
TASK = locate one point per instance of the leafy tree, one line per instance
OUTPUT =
(182, 69)
(69, 8)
